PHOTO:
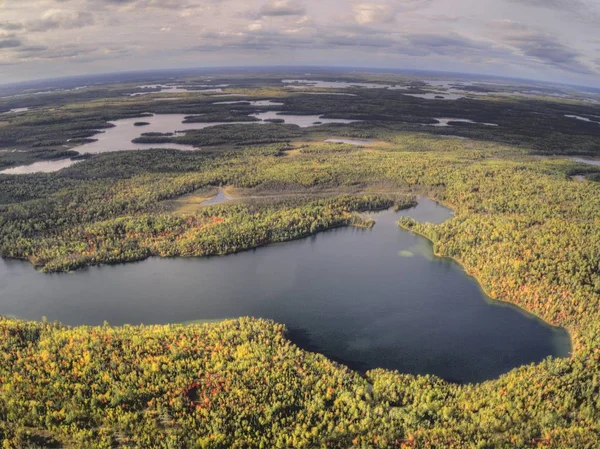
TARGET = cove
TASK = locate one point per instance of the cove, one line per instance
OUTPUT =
(366, 298)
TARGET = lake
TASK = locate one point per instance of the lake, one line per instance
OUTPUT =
(303, 121)
(253, 103)
(438, 96)
(39, 167)
(583, 119)
(16, 111)
(582, 160)
(365, 297)
(124, 131)
(121, 135)
(303, 84)
(435, 89)
(357, 142)
(443, 122)
(176, 89)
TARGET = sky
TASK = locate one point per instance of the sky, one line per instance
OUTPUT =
(550, 40)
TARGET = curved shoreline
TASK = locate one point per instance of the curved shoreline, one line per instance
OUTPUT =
(573, 335)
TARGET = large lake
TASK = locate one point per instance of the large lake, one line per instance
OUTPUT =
(120, 136)
(366, 298)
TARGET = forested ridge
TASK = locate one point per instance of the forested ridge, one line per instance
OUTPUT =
(526, 230)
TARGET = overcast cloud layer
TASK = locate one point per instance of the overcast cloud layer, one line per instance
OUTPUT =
(554, 40)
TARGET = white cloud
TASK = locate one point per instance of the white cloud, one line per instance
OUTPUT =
(255, 26)
(372, 13)
(278, 8)
(60, 18)
(188, 12)
(366, 13)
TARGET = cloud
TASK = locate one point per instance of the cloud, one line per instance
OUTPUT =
(61, 18)
(359, 41)
(542, 47)
(371, 13)
(279, 8)
(146, 4)
(547, 49)
(441, 41)
(452, 46)
(553, 4)
(576, 6)
(255, 27)
(11, 26)
(167, 3)
(60, 52)
(33, 49)
(10, 43)
(257, 37)
(71, 52)
(367, 13)
(584, 10)
(189, 12)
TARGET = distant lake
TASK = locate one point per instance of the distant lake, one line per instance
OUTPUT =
(351, 141)
(303, 84)
(583, 119)
(253, 102)
(303, 121)
(177, 89)
(450, 94)
(443, 122)
(121, 135)
(366, 298)
(586, 161)
(39, 167)
(16, 110)
(438, 96)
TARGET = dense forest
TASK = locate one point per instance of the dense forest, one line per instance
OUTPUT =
(522, 225)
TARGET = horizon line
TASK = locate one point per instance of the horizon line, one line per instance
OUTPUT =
(286, 66)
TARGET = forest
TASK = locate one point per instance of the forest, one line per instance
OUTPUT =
(522, 226)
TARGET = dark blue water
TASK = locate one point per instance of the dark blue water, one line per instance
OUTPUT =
(366, 298)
